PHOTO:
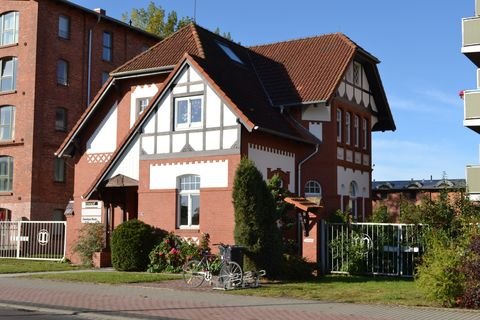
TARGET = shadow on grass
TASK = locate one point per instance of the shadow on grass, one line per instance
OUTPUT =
(343, 279)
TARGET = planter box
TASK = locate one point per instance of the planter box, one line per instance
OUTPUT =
(102, 259)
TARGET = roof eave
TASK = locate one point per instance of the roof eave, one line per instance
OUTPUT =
(142, 72)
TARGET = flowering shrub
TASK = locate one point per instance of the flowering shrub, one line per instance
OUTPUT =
(171, 254)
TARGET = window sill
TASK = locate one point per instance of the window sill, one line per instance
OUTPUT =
(8, 92)
(180, 229)
(65, 85)
(6, 193)
(9, 45)
(9, 143)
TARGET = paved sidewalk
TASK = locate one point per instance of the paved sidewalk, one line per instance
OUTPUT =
(155, 301)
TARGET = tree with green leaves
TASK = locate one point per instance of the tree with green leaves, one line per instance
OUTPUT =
(256, 220)
(155, 20)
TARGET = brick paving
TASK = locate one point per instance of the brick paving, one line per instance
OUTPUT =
(171, 300)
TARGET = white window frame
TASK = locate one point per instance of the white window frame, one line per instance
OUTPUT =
(313, 189)
(189, 190)
(8, 126)
(12, 76)
(356, 129)
(141, 105)
(4, 29)
(339, 125)
(189, 124)
(8, 176)
(347, 128)
(63, 27)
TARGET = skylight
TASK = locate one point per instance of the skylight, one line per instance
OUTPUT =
(229, 52)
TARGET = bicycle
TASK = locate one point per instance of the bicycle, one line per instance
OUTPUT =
(195, 272)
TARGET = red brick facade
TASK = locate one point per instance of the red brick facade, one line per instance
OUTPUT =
(34, 194)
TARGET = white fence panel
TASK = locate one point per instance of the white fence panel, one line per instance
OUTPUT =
(33, 240)
(374, 248)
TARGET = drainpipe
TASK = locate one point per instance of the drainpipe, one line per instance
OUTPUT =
(300, 168)
(89, 67)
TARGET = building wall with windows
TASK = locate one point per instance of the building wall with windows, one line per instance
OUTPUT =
(46, 82)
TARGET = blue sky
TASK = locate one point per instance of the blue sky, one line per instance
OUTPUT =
(422, 69)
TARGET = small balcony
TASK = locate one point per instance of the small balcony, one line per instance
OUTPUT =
(471, 39)
(471, 103)
(473, 182)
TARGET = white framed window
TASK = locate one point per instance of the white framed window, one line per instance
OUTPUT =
(313, 189)
(6, 173)
(188, 112)
(339, 125)
(61, 119)
(62, 72)
(356, 130)
(353, 193)
(142, 104)
(365, 134)
(7, 121)
(8, 74)
(64, 27)
(347, 128)
(9, 28)
(188, 215)
(59, 172)
(107, 46)
(357, 69)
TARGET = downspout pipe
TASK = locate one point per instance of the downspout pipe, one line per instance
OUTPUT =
(299, 178)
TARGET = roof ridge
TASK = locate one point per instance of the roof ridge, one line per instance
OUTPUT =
(302, 39)
(196, 37)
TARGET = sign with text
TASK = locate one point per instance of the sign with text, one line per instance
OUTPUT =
(92, 211)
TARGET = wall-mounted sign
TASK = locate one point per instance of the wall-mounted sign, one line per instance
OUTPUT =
(92, 211)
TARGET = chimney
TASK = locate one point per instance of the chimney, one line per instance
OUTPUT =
(100, 11)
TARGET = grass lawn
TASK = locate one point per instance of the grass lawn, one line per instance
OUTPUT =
(354, 289)
(22, 266)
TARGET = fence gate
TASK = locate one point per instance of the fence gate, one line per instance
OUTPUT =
(33, 240)
(373, 248)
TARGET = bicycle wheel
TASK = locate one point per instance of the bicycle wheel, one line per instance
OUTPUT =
(231, 275)
(194, 273)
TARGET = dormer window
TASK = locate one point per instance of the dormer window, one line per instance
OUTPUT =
(229, 52)
(189, 112)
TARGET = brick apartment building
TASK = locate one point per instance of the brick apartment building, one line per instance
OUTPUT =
(54, 57)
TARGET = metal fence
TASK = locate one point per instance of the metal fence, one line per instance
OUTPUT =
(374, 248)
(33, 240)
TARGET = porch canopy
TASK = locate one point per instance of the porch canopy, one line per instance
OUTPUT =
(121, 181)
(310, 211)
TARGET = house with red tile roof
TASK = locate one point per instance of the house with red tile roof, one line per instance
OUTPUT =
(162, 139)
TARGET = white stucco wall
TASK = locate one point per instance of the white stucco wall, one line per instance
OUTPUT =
(104, 139)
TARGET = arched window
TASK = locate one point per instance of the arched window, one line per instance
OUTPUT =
(7, 121)
(6, 173)
(9, 28)
(313, 189)
(189, 201)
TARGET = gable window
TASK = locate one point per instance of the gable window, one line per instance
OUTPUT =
(62, 72)
(6, 173)
(142, 104)
(8, 74)
(64, 27)
(339, 125)
(59, 174)
(8, 28)
(107, 46)
(7, 120)
(356, 130)
(61, 119)
(188, 112)
(365, 134)
(189, 201)
(347, 128)
(313, 189)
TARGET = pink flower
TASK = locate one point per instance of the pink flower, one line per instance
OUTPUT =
(174, 251)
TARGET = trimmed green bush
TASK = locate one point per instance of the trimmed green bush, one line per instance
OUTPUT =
(131, 243)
